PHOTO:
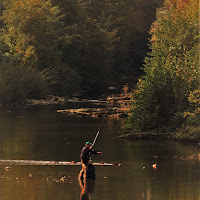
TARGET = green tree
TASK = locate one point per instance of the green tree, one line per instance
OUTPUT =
(32, 31)
(34, 35)
(133, 19)
(171, 70)
(93, 41)
(192, 115)
(63, 80)
(18, 83)
(105, 36)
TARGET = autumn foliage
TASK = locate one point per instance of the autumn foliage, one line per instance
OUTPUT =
(172, 71)
(31, 28)
(94, 42)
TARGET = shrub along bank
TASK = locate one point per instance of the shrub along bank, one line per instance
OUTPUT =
(167, 97)
(18, 83)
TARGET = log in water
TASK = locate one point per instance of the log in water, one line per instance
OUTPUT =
(59, 163)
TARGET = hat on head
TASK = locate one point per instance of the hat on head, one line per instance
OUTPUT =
(88, 143)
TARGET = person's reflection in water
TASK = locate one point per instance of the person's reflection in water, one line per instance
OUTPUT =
(87, 187)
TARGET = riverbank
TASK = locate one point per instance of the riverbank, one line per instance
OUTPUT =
(50, 100)
(97, 112)
(160, 136)
(145, 136)
(117, 107)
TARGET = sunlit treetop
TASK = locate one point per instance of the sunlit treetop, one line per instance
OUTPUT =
(28, 23)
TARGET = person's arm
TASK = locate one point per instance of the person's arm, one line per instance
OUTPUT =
(93, 151)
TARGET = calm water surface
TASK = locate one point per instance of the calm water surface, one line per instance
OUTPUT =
(43, 134)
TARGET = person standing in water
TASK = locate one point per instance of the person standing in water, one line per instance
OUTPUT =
(86, 161)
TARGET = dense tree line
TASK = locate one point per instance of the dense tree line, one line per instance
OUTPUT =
(75, 46)
(168, 95)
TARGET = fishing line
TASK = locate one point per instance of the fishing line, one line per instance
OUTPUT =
(114, 93)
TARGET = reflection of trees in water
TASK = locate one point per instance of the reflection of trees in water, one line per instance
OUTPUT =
(114, 123)
(186, 149)
(87, 187)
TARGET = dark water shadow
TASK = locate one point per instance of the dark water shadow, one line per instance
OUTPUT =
(87, 187)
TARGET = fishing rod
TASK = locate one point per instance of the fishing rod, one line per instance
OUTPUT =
(115, 92)
(98, 132)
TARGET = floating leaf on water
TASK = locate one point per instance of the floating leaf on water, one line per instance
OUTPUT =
(7, 168)
(63, 179)
(155, 156)
(154, 165)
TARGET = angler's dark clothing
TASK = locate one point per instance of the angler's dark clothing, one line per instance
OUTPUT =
(88, 170)
(85, 154)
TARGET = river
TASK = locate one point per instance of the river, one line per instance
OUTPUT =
(41, 133)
